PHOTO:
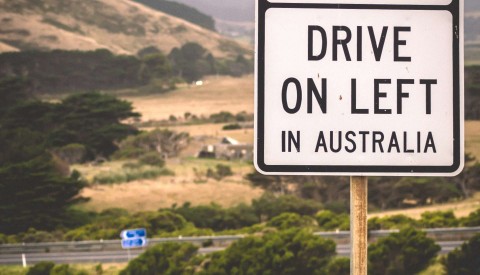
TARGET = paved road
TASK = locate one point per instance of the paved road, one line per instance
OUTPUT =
(125, 255)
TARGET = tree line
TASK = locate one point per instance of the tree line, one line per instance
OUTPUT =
(383, 192)
(60, 71)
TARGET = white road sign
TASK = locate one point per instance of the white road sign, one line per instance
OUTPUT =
(346, 87)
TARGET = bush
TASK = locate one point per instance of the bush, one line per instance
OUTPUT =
(471, 220)
(109, 224)
(339, 266)
(391, 222)
(165, 259)
(42, 268)
(406, 252)
(171, 143)
(222, 117)
(221, 171)
(464, 260)
(269, 206)
(63, 269)
(217, 218)
(131, 175)
(438, 219)
(153, 159)
(291, 220)
(289, 252)
(234, 126)
(327, 220)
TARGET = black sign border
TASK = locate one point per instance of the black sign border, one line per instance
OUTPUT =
(453, 8)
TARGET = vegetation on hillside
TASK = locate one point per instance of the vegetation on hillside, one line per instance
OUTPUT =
(73, 71)
(402, 192)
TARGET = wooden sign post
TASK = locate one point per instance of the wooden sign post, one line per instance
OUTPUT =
(358, 225)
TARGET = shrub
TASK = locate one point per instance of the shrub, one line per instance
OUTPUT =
(327, 220)
(289, 252)
(217, 218)
(42, 268)
(166, 259)
(153, 159)
(471, 220)
(406, 252)
(221, 171)
(464, 260)
(234, 126)
(438, 219)
(171, 143)
(269, 206)
(131, 175)
(339, 266)
(63, 269)
(222, 117)
(391, 222)
(290, 220)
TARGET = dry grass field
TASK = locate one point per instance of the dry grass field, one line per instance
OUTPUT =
(188, 185)
(472, 138)
(220, 93)
(461, 209)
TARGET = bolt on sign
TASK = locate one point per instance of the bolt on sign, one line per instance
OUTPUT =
(367, 87)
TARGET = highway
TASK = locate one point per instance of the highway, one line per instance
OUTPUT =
(120, 256)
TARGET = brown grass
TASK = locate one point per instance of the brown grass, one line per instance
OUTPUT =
(164, 192)
(186, 186)
(472, 138)
(217, 94)
(461, 209)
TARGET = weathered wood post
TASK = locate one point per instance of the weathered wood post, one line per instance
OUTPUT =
(358, 225)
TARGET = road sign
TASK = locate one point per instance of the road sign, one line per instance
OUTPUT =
(133, 238)
(369, 87)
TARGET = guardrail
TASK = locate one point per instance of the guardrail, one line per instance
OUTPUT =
(341, 237)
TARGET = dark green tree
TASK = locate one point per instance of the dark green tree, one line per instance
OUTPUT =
(12, 91)
(165, 259)
(42, 268)
(406, 252)
(269, 206)
(291, 220)
(285, 252)
(438, 219)
(36, 189)
(464, 260)
(191, 61)
(94, 120)
(473, 219)
(327, 220)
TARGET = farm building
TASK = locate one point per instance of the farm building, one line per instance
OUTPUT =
(228, 148)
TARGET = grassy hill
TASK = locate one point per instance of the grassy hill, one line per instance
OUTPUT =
(122, 26)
